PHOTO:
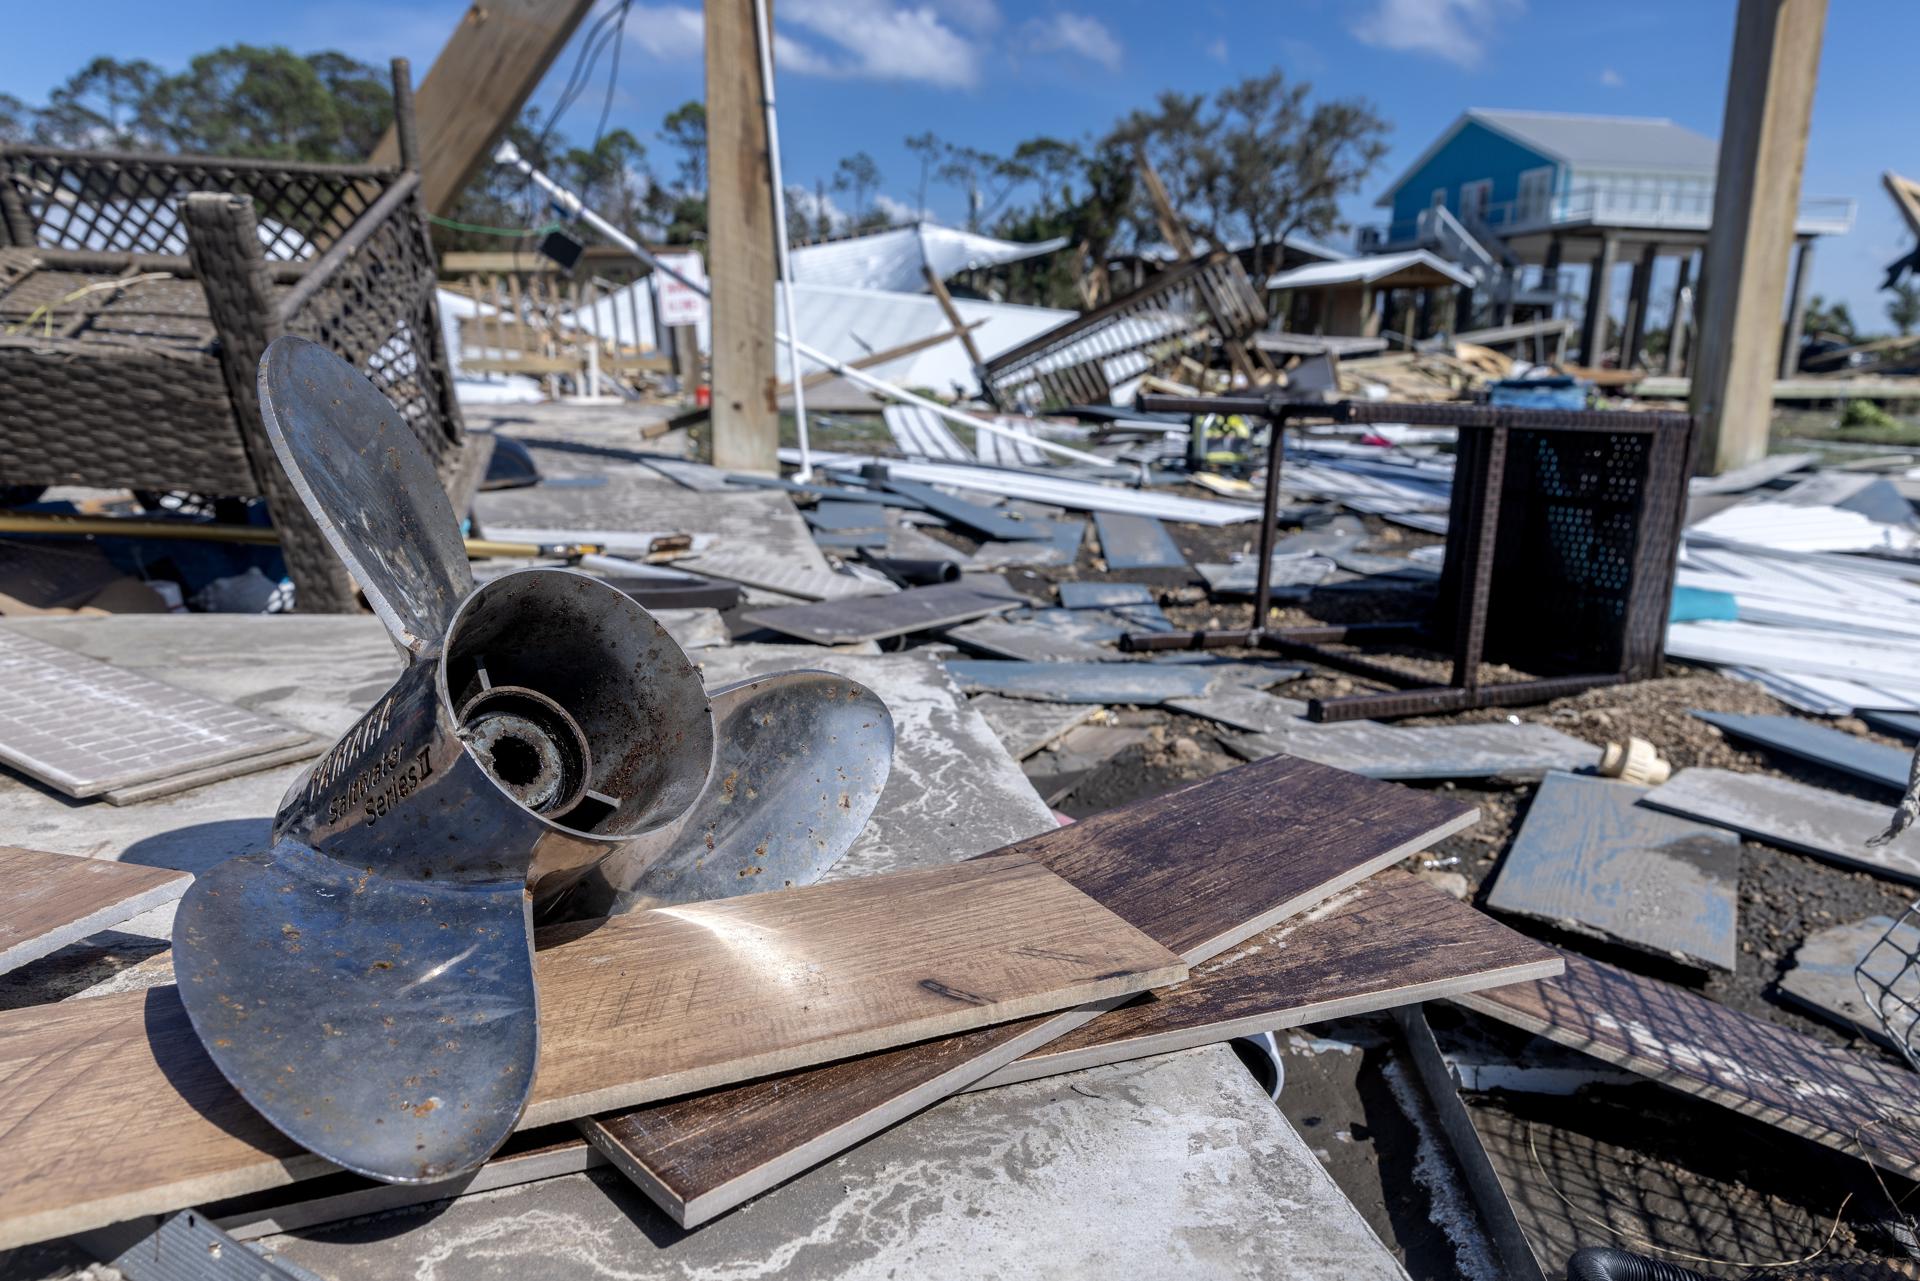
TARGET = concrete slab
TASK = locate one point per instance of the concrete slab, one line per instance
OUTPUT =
(1176, 1165)
(1590, 860)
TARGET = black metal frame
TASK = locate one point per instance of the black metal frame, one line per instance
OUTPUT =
(1472, 540)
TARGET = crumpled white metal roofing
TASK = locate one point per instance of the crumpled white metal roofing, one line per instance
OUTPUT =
(892, 260)
(851, 323)
(1364, 271)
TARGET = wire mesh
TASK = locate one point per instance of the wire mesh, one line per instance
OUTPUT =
(1888, 977)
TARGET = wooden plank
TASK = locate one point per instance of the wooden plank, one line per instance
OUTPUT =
(1832, 748)
(1136, 542)
(1590, 860)
(489, 67)
(1025, 726)
(1391, 940)
(1493, 750)
(1792, 816)
(1822, 975)
(640, 1007)
(1835, 1097)
(842, 622)
(740, 238)
(1200, 870)
(56, 899)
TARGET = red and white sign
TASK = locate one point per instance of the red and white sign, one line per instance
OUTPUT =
(680, 305)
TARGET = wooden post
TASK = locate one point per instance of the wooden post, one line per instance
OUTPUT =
(1796, 310)
(1756, 199)
(938, 289)
(1680, 319)
(1593, 322)
(489, 67)
(1638, 296)
(1550, 275)
(746, 416)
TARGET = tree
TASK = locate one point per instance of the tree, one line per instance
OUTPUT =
(859, 177)
(246, 100)
(927, 148)
(16, 119)
(611, 176)
(1833, 318)
(986, 179)
(100, 105)
(1904, 309)
(1051, 165)
(685, 128)
(1182, 143)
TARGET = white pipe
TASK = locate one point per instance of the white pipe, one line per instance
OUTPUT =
(763, 24)
(571, 205)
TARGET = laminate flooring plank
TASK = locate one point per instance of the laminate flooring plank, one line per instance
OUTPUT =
(56, 899)
(1793, 816)
(843, 622)
(1835, 1097)
(645, 1006)
(1822, 975)
(1136, 542)
(1589, 859)
(1835, 749)
(1200, 871)
(1491, 750)
(1391, 940)
(1025, 726)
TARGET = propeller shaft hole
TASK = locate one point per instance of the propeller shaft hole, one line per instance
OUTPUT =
(516, 762)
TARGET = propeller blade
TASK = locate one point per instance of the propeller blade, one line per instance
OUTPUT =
(362, 474)
(799, 763)
(391, 1026)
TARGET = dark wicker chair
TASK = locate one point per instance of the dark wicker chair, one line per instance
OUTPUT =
(137, 293)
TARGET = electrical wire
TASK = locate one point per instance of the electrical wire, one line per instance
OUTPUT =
(521, 233)
(613, 73)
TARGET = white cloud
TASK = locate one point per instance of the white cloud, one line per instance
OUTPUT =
(1074, 33)
(666, 32)
(900, 210)
(851, 39)
(1217, 49)
(1455, 31)
(809, 204)
(1611, 79)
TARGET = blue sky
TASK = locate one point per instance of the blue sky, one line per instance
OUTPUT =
(864, 74)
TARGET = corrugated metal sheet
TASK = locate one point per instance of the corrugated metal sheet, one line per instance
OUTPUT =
(1360, 271)
(892, 260)
(1607, 142)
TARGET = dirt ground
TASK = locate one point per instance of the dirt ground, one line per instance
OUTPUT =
(1784, 896)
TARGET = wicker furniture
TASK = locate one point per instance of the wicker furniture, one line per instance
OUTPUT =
(1561, 542)
(137, 293)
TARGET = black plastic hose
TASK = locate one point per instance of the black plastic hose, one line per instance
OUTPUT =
(1604, 1263)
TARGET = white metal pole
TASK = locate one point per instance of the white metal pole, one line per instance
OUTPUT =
(763, 28)
(572, 206)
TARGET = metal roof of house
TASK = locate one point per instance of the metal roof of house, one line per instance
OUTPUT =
(1585, 142)
(1366, 271)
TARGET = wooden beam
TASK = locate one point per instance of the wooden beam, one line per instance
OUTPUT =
(938, 288)
(820, 376)
(740, 234)
(485, 74)
(1796, 310)
(1756, 201)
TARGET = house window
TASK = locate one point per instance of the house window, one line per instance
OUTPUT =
(1474, 198)
(1536, 194)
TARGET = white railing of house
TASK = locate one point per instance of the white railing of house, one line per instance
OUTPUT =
(1628, 203)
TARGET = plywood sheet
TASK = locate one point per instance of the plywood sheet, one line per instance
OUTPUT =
(1391, 940)
(842, 622)
(1199, 870)
(85, 727)
(644, 1006)
(1589, 859)
(1136, 542)
(56, 899)
(1832, 748)
(1793, 816)
(1839, 1098)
